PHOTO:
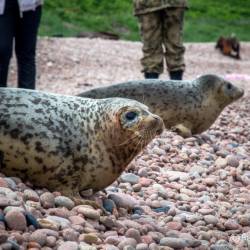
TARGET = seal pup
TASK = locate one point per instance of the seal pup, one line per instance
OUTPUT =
(68, 143)
(186, 107)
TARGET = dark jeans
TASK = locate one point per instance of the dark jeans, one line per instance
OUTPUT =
(24, 31)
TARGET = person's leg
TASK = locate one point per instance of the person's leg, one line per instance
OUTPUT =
(173, 33)
(25, 46)
(7, 30)
(151, 35)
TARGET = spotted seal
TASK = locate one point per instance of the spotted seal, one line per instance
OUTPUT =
(187, 107)
(68, 143)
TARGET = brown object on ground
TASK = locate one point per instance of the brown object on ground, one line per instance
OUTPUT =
(229, 46)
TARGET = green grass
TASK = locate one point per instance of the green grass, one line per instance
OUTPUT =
(205, 21)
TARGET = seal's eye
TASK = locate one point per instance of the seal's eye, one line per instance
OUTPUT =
(131, 115)
(229, 86)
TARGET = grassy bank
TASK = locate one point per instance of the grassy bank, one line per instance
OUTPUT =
(205, 20)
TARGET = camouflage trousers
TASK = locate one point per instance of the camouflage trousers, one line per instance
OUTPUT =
(161, 34)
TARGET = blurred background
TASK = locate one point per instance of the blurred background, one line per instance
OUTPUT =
(205, 21)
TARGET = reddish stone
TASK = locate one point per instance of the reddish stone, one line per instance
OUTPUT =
(174, 225)
(147, 239)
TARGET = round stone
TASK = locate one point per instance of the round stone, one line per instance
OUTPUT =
(232, 160)
(47, 200)
(123, 200)
(39, 236)
(63, 201)
(130, 178)
(68, 245)
(176, 243)
(30, 194)
(15, 220)
(89, 212)
(210, 219)
(69, 234)
(133, 233)
(244, 220)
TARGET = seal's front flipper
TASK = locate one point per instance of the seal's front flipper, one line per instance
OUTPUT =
(72, 194)
(75, 196)
(203, 138)
(181, 130)
(87, 193)
(91, 203)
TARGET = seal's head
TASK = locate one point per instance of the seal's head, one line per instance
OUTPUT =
(223, 91)
(129, 126)
(138, 120)
(137, 126)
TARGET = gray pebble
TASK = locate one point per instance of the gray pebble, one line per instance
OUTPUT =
(176, 243)
(130, 178)
(63, 201)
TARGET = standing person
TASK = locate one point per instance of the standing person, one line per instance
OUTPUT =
(161, 25)
(19, 22)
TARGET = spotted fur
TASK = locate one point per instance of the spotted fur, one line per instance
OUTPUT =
(187, 107)
(69, 143)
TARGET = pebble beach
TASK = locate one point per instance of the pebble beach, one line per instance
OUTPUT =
(178, 193)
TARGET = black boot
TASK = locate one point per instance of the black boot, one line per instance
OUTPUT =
(151, 75)
(176, 75)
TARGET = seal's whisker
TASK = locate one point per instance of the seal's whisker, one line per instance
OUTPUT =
(137, 145)
(143, 98)
(142, 144)
(151, 134)
(128, 140)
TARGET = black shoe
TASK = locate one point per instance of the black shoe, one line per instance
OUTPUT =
(176, 75)
(151, 75)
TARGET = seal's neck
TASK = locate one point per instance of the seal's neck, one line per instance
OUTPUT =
(125, 151)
